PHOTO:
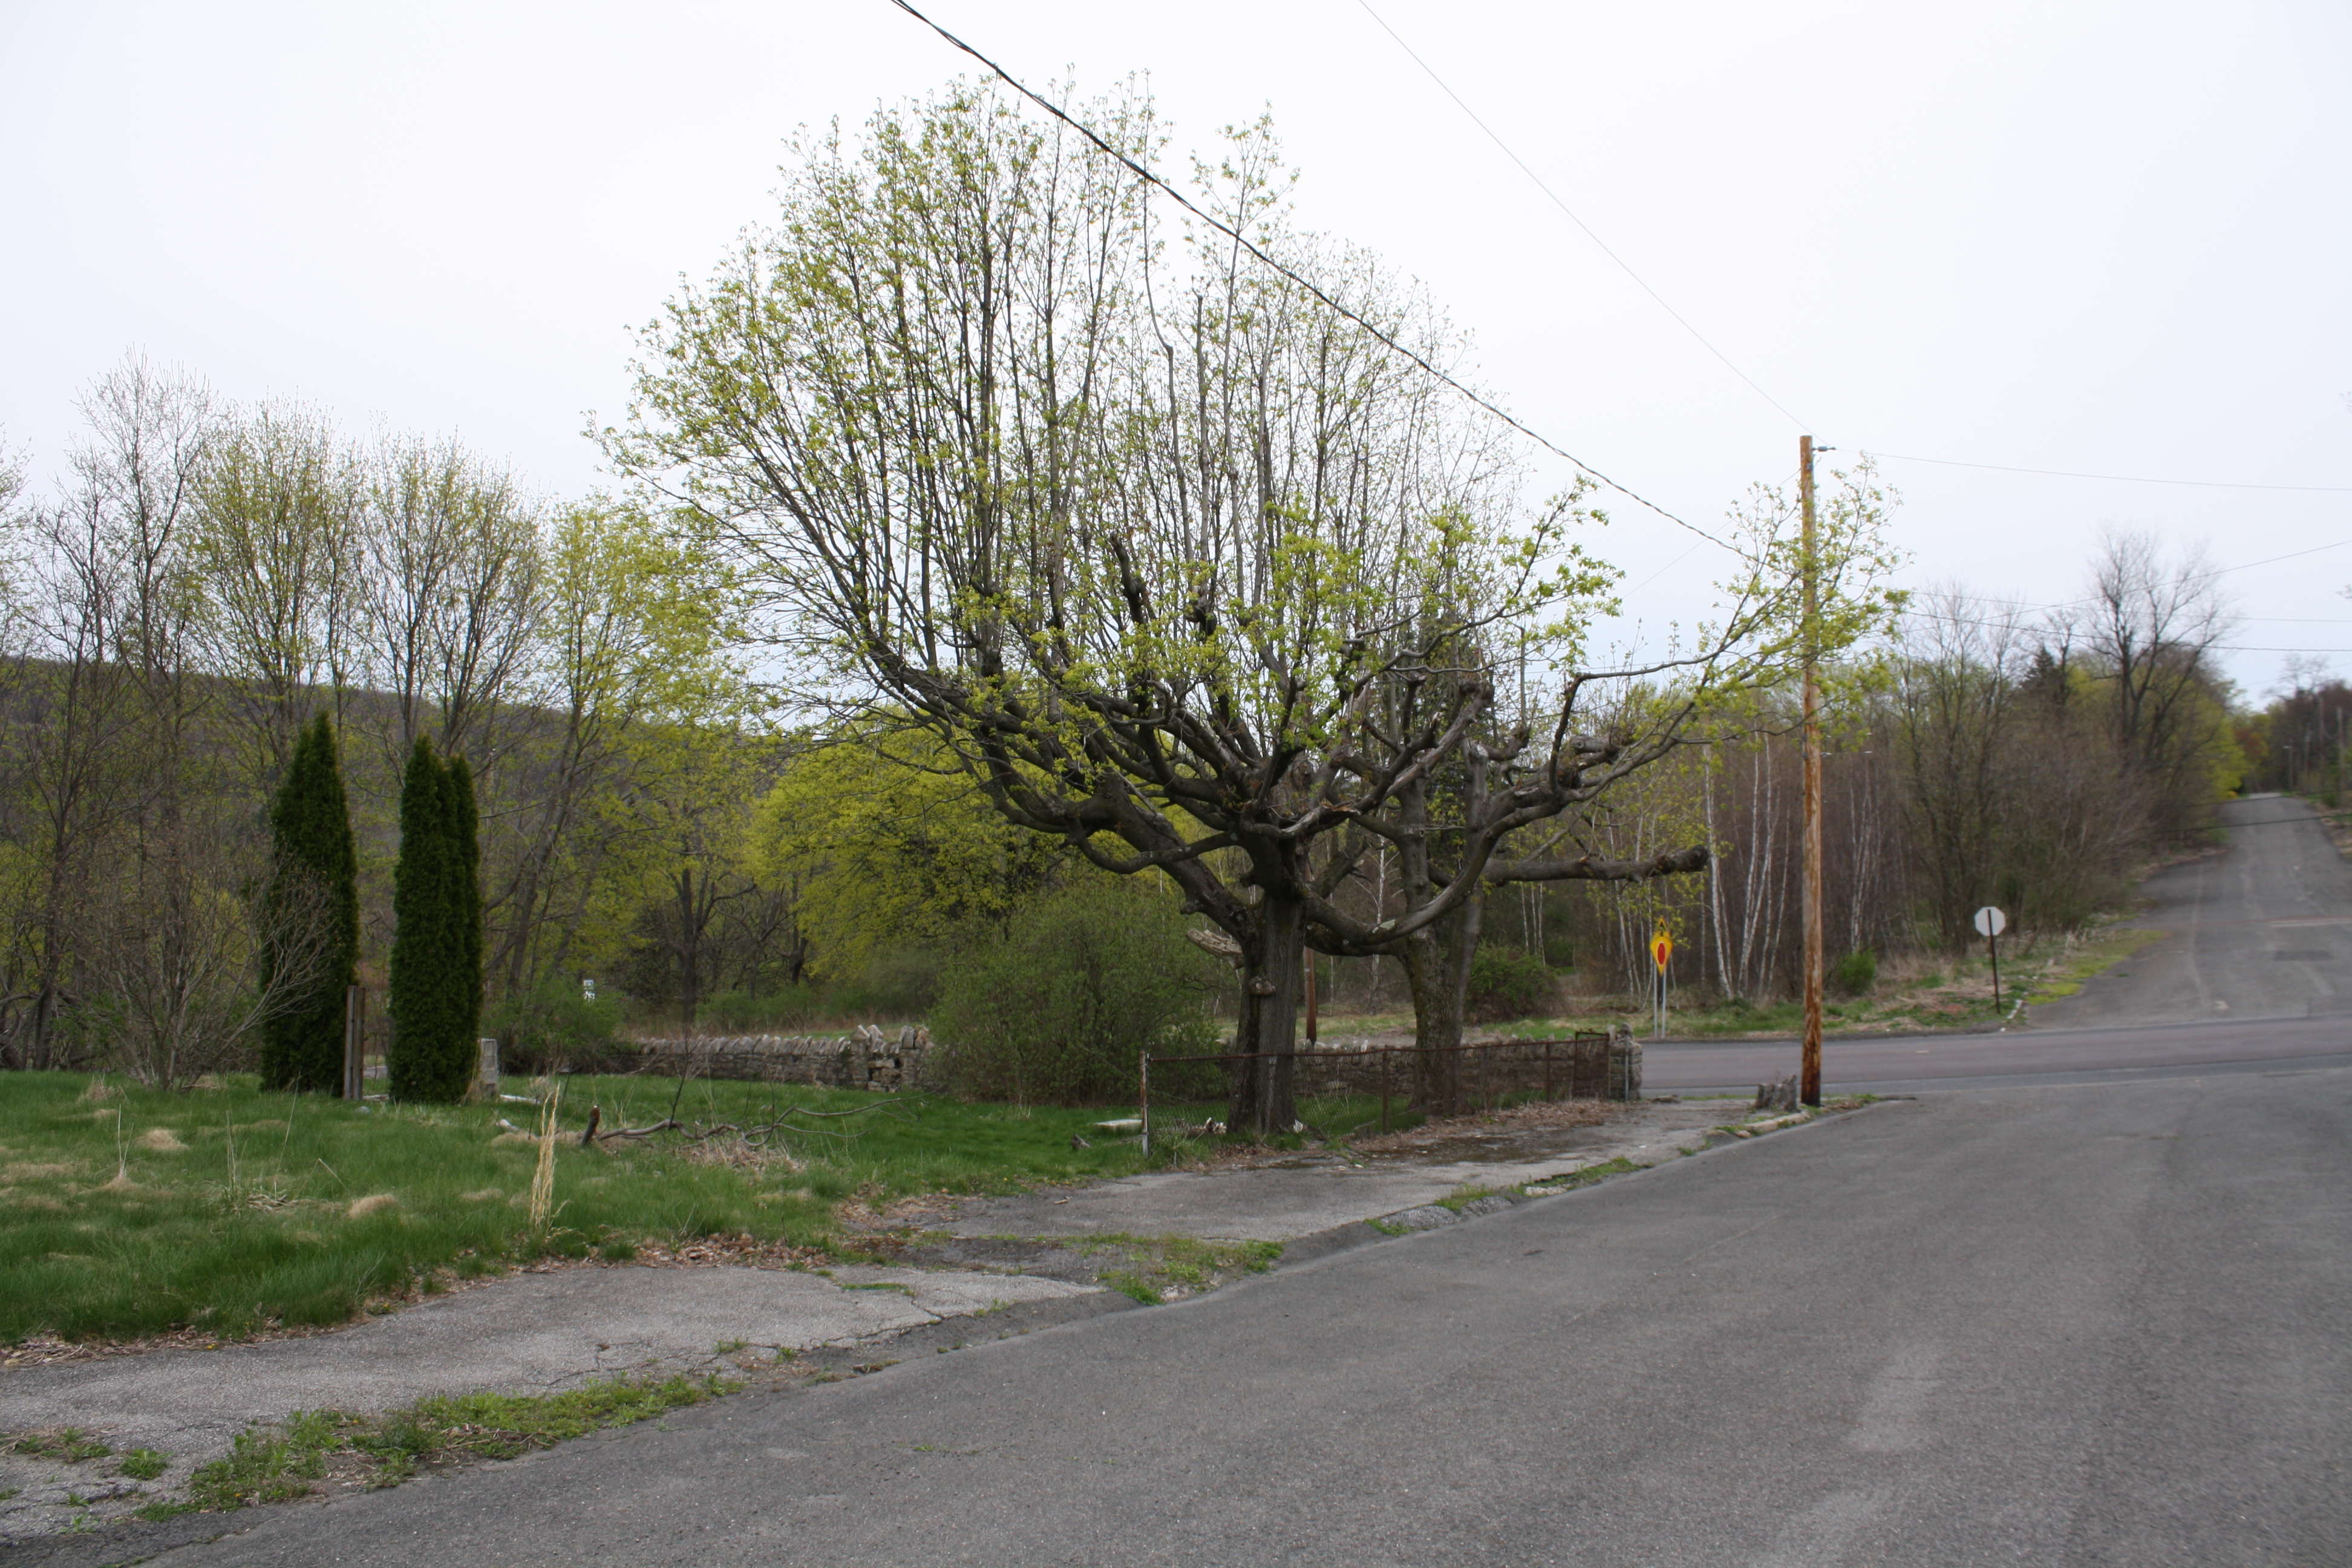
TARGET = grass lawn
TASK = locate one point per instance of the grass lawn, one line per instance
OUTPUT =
(127, 1212)
(124, 1211)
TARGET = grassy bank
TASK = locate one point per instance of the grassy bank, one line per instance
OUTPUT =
(1920, 995)
(127, 1212)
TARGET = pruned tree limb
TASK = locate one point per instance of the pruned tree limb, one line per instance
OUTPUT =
(1217, 942)
(1590, 868)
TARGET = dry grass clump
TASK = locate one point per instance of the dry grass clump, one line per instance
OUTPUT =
(740, 1154)
(374, 1203)
(101, 1089)
(161, 1141)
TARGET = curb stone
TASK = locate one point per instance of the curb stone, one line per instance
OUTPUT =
(1432, 1217)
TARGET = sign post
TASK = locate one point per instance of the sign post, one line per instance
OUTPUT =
(1990, 922)
(1662, 948)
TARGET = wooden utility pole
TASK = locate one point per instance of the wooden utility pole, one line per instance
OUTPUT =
(1810, 1083)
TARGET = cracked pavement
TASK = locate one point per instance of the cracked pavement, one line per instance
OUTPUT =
(531, 1333)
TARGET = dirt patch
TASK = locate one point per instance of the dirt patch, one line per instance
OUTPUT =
(718, 1252)
(899, 1213)
(1521, 1133)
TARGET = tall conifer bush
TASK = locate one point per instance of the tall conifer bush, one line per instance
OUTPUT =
(431, 1031)
(466, 890)
(314, 882)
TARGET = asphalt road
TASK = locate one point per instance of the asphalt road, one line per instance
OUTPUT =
(1902, 1063)
(2264, 930)
(2047, 1325)
(2254, 972)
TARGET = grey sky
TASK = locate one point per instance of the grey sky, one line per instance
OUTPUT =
(2113, 238)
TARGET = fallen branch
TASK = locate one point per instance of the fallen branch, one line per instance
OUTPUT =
(695, 1135)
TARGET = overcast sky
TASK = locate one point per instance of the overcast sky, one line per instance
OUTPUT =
(2114, 239)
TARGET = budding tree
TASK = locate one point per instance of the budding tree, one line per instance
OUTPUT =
(1180, 563)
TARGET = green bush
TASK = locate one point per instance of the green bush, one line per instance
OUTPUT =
(555, 1026)
(1508, 983)
(898, 983)
(1054, 1007)
(1855, 973)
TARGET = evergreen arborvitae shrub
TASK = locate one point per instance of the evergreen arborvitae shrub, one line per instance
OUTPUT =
(313, 883)
(466, 890)
(431, 1037)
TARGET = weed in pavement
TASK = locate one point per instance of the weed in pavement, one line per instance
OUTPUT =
(271, 1463)
(1161, 1267)
(266, 1465)
(1586, 1177)
(1134, 1287)
(1465, 1194)
(146, 1464)
(66, 1443)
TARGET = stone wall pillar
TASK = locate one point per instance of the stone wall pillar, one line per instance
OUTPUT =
(1624, 1064)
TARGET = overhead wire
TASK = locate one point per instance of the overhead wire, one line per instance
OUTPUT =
(1949, 619)
(2194, 577)
(1553, 197)
(1704, 341)
(2118, 479)
(1418, 360)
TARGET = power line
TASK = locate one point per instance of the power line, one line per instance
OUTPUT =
(1950, 620)
(1684, 322)
(1554, 197)
(1241, 239)
(2118, 478)
(2215, 572)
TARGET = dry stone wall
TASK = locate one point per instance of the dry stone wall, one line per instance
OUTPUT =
(1593, 1066)
(869, 1058)
(865, 1058)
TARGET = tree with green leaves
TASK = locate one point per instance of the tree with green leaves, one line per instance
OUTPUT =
(311, 918)
(432, 1026)
(1181, 563)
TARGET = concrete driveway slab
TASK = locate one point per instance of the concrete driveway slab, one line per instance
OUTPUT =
(1319, 1191)
(532, 1334)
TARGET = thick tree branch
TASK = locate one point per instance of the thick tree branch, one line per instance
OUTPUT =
(1590, 868)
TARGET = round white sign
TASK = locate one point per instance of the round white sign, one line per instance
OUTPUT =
(1991, 922)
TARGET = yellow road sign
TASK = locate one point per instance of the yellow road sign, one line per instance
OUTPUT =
(1662, 948)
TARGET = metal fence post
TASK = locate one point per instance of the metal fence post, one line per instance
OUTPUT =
(1144, 1076)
